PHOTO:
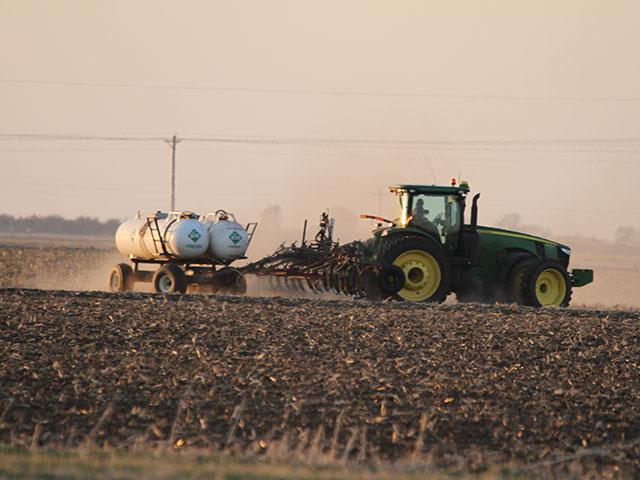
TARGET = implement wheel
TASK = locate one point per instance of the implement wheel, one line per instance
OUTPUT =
(425, 268)
(546, 283)
(121, 278)
(169, 279)
(231, 281)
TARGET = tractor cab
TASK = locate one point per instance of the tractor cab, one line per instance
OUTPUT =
(437, 211)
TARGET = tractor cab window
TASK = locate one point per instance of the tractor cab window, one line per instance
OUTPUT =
(438, 215)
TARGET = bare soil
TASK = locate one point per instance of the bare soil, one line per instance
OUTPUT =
(468, 386)
(47, 264)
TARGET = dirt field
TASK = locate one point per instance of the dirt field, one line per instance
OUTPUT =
(468, 387)
(84, 264)
(458, 387)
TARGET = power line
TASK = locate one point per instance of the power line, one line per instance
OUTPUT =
(80, 150)
(362, 156)
(324, 141)
(350, 155)
(53, 137)
(419, 143)
(320, 92)
(559, 145)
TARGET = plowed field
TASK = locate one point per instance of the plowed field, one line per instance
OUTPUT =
(468, 386)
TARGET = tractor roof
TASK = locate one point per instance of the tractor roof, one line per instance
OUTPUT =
(437, 189)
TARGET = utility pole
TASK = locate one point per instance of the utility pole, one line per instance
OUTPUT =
(173, 143)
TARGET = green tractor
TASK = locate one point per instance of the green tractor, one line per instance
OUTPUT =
(439, 253)
(428, 252)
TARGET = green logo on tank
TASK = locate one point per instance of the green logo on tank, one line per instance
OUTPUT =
(194, 235)
(235, 237)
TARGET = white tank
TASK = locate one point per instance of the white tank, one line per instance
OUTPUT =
(184, 237)
(228, 240)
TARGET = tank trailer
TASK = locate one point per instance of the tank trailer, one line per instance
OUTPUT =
(189, 250)
(428, 252)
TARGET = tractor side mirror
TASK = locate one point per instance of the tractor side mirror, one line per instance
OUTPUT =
(474, 212)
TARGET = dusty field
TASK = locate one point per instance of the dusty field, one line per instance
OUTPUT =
(617, 274)
(467, 387)
(56, 264)
(84, 264)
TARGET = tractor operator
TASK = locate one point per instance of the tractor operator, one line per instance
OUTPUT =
(421, 220)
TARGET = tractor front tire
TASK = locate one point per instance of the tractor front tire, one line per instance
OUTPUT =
(424, 263)
(546, 283)
(169, 278)
(121, 278)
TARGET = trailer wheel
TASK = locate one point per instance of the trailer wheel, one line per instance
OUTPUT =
(425, 268)
(121, 278)
(170, 278)
(546, 283)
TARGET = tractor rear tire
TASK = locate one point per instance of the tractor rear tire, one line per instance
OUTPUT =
(121, 278)
(546, 283)
(425, 267)
(169, 278)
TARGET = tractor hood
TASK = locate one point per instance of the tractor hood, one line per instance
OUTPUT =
(510, 234)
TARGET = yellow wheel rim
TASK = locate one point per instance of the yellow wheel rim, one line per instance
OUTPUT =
(421, 275)
(551, 288)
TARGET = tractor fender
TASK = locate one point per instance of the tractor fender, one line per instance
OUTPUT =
(409, 231)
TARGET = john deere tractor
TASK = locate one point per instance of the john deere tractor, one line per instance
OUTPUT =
(438, 253)
(428, 252)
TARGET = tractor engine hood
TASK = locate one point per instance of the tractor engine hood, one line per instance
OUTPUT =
(501, 232)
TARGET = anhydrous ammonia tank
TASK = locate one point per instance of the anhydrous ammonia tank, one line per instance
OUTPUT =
(228, 240)
(184, 237)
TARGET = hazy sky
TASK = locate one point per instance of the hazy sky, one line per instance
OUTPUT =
(537, 104)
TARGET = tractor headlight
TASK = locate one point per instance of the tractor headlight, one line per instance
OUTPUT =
(566, 251)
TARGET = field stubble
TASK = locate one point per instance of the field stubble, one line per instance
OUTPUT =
(451, 386)
(455, 386)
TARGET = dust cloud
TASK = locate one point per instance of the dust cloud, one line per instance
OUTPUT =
(68, 264)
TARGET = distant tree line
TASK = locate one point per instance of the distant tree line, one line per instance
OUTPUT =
(55, 224)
